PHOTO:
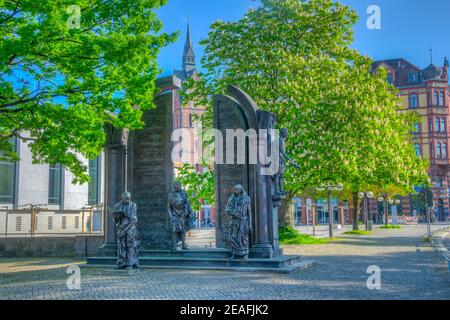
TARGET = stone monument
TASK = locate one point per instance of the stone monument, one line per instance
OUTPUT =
(141, 162)
(237, 111)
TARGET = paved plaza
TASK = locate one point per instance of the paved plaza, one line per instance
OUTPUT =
(409, 270)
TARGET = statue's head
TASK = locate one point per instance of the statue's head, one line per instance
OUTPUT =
(126, 196)
(177, 186)
(238, 189)
(283, 133)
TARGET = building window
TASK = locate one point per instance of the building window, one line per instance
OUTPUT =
(63, 222)
(412, 77)
(18, 224)
(7, 177)
(390, 79)
(418, 150)
(444, 150)
(50, 223)
(190, 120)
(438, 125)
(413, 101)
(436, 98)
(54, 184)
(438, 151)
(443, 126)
(94, 183)
(438, 182)
(416, 128)
(77, 222)
(441, 98)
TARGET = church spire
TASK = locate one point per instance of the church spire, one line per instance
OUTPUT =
(189, 66)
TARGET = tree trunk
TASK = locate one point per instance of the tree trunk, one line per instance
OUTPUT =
(284, 212)
(355, 210)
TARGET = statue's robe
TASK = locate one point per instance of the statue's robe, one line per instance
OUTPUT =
(239, 208)
(125, 218)
(180, 211)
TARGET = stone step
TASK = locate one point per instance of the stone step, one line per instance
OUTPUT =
(302, 264)
(195, 262)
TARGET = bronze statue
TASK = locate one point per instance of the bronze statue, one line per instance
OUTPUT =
(284, 159)
(181, 215)
(239, 208)
(125, 218)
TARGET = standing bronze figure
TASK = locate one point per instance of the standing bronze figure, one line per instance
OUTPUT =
(125, 218)
(181, 215)
(239, 208)
(284, 159)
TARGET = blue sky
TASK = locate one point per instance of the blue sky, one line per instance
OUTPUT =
(409, 28)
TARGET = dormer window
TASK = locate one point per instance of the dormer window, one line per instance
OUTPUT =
(413, 77)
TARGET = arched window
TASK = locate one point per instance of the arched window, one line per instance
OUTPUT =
(441, 98)
(438, 151)
(413, 101)
(436, 98)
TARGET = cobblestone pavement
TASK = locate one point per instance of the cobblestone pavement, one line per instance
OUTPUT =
(409, 270)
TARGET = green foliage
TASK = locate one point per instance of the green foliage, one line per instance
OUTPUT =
(199, 186)
(60, 85)
(290, 236)
(423, 200)
(287, 232)
(294, 59)
(390, 226)
(358, 232)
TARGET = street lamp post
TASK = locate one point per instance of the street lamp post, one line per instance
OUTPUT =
(384, 200)
(330, 189)
(365, 197)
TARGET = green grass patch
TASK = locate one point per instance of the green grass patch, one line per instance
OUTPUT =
(288, 235)
(358, 232)
(390, 226)
(305, 239)
(426, 239)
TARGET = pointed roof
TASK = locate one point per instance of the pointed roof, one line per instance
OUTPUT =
(432, 72)
(189, 66)
(188, 43)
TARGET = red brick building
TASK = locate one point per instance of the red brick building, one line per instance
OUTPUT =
(426, 92)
